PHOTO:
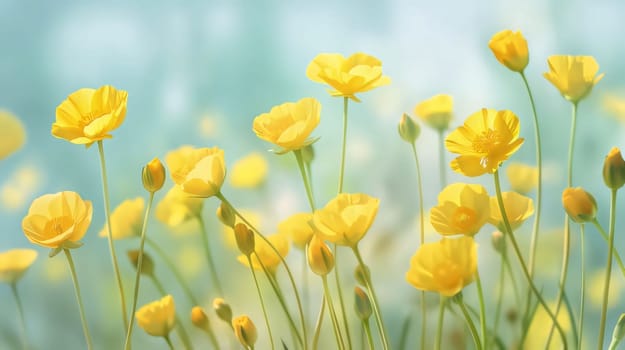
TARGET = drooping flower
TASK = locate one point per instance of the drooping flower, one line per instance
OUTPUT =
(297, 228)
(486, 139)
(580, 205)
(462, 209)
(510, 49)
(177, 207)
(347, 76)
(265, 255)
(58, 220)
(249, 171)
(14, 263)
(200, 172)
(89, 115)
(518, 209)
(12, 134)
(436, 111)
(289, 125)
(245, 331)
(126, 219)
(446, 266)
(158, 317)
(522, 177)
(346, 219)
(574, 76)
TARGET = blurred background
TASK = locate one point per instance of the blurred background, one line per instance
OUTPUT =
(198, 73)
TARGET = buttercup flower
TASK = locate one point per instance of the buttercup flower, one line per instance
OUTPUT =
(445, 266)
(126, 219)
(266, 255)
(249, 171)
(580, 205)
(297, 228)
(462, 209)
(486, 139)
(158, 317)
(518, 209)
(12, 134)
(58, 220)
(510, 49)
(522, 178)
(177, 207)
(89, 115)
(14, 263)
(436, 111)
(245, 331)
(358, 73)
(574, 76)
(200, 172)
(346, 219)
(289, 125)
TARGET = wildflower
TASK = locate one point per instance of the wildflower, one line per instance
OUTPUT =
(522, 178)
(177, 207)
(249, 171)
(574, 76)
(518, 209)
(153, 175)
(12, 134)
(462, 209)
(14, 263)
(158, 317)
(126, 219)
(298, 229)
(614, 169)
(320, 258)
(245, 239)
(510, 49)
(436, 111)
(580, 205)
(245, 331)
(200, 172)
(199, 318)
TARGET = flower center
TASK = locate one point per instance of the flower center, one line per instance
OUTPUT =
(464, 219)
(58, 225)
(487, 141)
(447, 274)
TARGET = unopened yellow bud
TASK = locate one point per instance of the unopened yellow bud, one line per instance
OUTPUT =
(199, 318)
(499, 241)
(320, 258)
(223, 310)
(362, 275)
(245, 239)
(147, 265)
(245, 331)
(510, 49)
(226, 215)
(153, 175)
(618, 333)
(408, 129)
(362, 304)
(614, 169)
(580, 205)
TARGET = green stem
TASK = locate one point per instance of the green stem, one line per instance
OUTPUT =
(571, 145)
(608, 270)
(470, 324)
(81, 308)
(319, 322)
(500, 293)
(480, 294)
(182, 333)
(375, 304)
(20, 312)
(262, 301)
(582, 298)
(335, 321)
(302, 170)
(439, 326)
(171, 346)
(508, 266)
(342, 168)
(209, 257)
(604, 235)
(405, 329)
(367, 328)
(441, 158)
(107, 210)
(339, 290)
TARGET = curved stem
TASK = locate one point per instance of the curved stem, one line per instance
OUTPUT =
(470, 324)
(508, 266)
(135, 297)
(604, 235)
(500, 293)
(339, 290)
(171, 346)
(480, 294)
(367, 328)
(335, 321)
(209, 257)
(262, 301)
(441, 158)
(319, 323)
(83, 318)
(439, 327)
(302, 170)
(571, 145)
(342, 167)
(182, 333)
(20, 312)
(582, 298)
(107, 211)
(608, 270)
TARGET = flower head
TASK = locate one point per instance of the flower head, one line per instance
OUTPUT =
(200, 172)
(265, 255)
(297, 228)
(346, 219)
(12, 134)
(347, 76)
(249, 171)
(574, 76)
(614, 169)
(245, 331)
(199, 318)
(445, 266)
(153, 175)
(320, 257)
(158, 317)
(462, 209)
(518, 209)
(126, 219)
(408, 129)
(522, 178)
(14, 263)
(580, 205)
(177, 207)
(89, 115)
(436, 111)
(510, 49)
(58, 220)
(486, 139)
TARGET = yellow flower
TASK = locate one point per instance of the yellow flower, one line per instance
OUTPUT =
(266, 255)
(58, 220)
(297, 228)
(158, 317)
(199, 318)
(320, 258)
(14, 263)
(228, 232)
(580, 205)
(12, 134)
(510, 49)
(178, 207)
(486, 139)
(445, 266)
(200, 172)
(518, 209)
(574, 76)
(346, 219)
(249, 171)
(153, 175)
(615, 105)
(245, 239)
(614, 169)
(462, 209)
(358, 73)
(126, 219)
(289, 125)
(540, 329)
(245, 331)
(89, 115)
(436, 111)
(522, 178)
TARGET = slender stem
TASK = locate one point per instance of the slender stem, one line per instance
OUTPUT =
(572, 144)
(367, 327)
(302, 169)
(375, 304)
(617, 256)
(335, 321)
(305, 289)
(342, 168)
(480, 294)
(339, 290)
(582, 298)
(500, 293)
(319, 322)
(608, 270)
(182, 333)
(171, 346)
(439, 327)
(20, 312)
(81, 308)
(441, 158)
(508, 266)
(405, 328)
(262, 301)
(209, 257)
(107, 210)
(470, 324)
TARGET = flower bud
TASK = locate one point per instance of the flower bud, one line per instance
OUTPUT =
(510, 49)
(499, 241)
(320, 257)
(362, 275)
(223, 310)
(199, 318)
(408, 129)
(245, 331)
(614, 169)
(147, 265)
(153, 175)
(619, 332)
(579, 204)
(226, 215)
(362, 304)
(245, 239)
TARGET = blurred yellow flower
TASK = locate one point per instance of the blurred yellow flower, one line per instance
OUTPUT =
(445, 266)
(89, 115)
(346, 219)
(289, 125)
(436, 111)
(253, 217)
(12, 134)
(266, 255)
(510, 49)
(462, 209)
(200, 172)
(249, 171)
(580, 205)
(540, 328)
(522, 177)
(192, 258)
(178, 207)
(595, 288)
(487, 138)
(615, 105)
(574, 76)
(21, 185)
(518, 209)
(58, 220)
(158, 317)
(126, 219)
(14, 263)
(297, 228)
(347, 76)
(245, 331)
(153, 175)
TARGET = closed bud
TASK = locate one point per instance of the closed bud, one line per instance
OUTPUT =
(614, 169)
(147, 265)
(245, 331)
(320, 258)
(153, 175)
(499, 241)
(223, 310)
(362, 304)
(226, 215)
(245, 239)
(199, 318)
(362, 276)
(579, 204)
(510, 49)
(408, 129)
(619, 332)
